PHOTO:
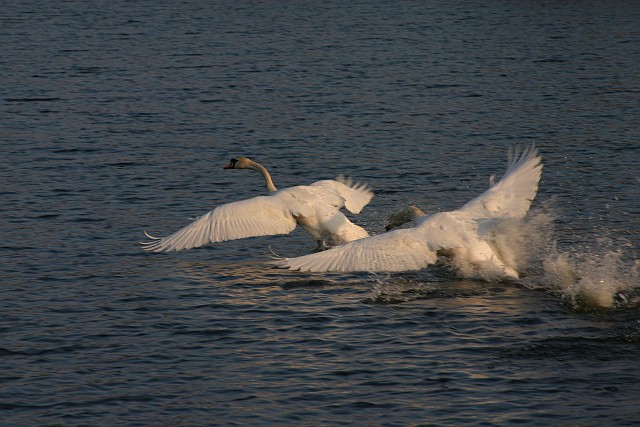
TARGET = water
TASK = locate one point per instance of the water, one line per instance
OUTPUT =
(117, 117)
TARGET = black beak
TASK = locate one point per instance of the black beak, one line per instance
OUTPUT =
(231, 165)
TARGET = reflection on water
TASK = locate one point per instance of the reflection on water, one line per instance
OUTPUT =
(257, 274)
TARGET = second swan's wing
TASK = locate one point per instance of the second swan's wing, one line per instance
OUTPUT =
(510, 197)
(398, 250)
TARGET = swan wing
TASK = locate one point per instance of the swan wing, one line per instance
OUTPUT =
(399, 250)
(355, 196)
(259, 216)
(511, 197)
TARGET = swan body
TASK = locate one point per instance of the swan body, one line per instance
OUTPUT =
(315, 207)
(466, 235)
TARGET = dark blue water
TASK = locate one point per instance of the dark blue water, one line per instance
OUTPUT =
(117, 117)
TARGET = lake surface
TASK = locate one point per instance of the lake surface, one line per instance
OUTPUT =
(117, 117)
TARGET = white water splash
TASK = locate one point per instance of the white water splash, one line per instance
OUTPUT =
(594, 279)
(518, 243)
(602, 275)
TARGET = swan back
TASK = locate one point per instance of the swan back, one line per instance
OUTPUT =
(316, 208)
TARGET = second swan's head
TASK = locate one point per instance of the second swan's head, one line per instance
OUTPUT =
(239, 163)
(404, 216)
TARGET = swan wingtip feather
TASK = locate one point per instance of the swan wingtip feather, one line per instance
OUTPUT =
(154, 245)
(274, 256)
(151, 236)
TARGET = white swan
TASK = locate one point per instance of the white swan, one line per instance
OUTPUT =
(315, 207)
(464, 234)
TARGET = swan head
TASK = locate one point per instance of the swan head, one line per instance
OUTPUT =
(246, 163)
(239, 163)
(406, 215)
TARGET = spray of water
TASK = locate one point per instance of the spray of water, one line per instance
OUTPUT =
(601, 278)
(517, 243)
(602, 275)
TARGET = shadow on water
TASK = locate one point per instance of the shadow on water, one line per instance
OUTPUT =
(262, 274)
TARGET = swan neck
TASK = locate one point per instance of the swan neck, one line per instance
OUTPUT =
(271, 188)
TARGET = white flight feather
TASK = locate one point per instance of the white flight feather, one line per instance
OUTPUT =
(511, 197)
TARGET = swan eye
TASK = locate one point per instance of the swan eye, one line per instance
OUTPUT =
(234, 160)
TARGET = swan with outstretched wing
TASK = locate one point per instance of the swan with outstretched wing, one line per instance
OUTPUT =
(315, 207)
(463, 235)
